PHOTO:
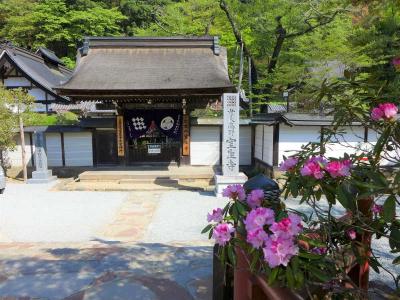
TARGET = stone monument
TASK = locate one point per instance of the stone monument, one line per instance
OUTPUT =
(42, 174)
(230, 145)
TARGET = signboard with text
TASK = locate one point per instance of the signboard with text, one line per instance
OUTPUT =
(154, 148)
(186, 135)
(120, 136)
(230, 147)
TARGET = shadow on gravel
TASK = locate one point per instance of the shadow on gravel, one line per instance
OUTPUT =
(164, 271)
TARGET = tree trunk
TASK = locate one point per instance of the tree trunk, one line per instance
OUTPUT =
(239, 40)
(22, 134)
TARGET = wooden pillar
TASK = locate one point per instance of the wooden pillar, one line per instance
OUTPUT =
(275, 142)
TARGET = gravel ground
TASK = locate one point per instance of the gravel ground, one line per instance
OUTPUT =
(31, 213)
(181, 215)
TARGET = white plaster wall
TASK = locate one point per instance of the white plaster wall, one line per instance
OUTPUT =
(38, 93)
(205, 145)
(292, 138)
(78, 149)
(268, 144)
(350, 142)
(16, 82)
(258, 142)
(245, 145)
(53, 145)
(15, 156)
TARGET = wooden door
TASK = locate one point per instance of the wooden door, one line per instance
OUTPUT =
(106, 147)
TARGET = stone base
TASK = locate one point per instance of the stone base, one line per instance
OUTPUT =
(222, 182)
(42, 177)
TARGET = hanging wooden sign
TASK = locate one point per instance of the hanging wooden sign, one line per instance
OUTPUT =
(186, 135)
(120, 136)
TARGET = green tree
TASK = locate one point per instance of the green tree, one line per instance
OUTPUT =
(54, 24)
(15, 106)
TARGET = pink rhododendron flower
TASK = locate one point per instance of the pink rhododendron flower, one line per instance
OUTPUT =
(279, 251)
(255, 198)
(314, 167)
(396, 63)
(386, 111)
(222, 233)
(287, 227)
(259, 217)
(339, 168)
(234, 191)
(319, 250)
(256, 237)
(376, 114)
(389, 110)
(377, 209)
(351, 233)
(215, 215)
(288, 164)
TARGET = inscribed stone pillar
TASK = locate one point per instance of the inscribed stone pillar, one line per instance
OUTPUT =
(230, 145)
(42, 174)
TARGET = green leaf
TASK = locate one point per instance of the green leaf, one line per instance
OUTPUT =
(394, 240)
(389, 208)
(396, 261)
(231, 255)
(254, 260)
(319, 274)
(273, 275)
(344, 196)
(309, 255)
(206, 229)
(290, 277)
(241, 208)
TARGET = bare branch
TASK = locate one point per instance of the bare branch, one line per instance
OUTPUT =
(310, 27)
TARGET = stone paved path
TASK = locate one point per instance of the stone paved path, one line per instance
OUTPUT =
(118, 246)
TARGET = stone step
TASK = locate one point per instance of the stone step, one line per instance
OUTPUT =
(86, 176)
(115, 186)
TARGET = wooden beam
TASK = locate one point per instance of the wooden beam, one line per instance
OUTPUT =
(275, 142)
(62, 148)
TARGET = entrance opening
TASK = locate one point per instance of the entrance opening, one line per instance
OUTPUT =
(153, 136)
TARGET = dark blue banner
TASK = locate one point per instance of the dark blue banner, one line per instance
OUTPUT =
(139, 122)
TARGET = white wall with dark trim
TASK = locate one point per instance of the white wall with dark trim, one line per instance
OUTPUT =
(78, 150)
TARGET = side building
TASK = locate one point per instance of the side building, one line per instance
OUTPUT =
(37, 72)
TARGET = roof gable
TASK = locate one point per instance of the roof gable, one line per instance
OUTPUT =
(35, 69)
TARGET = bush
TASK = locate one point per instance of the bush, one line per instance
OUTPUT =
(38, 119)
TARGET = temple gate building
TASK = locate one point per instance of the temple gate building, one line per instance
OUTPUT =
(153, 84)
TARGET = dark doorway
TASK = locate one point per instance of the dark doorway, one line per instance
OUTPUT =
(106, 147)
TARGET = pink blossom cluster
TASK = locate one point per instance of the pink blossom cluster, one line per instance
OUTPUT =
(352, 234)
(396, 63)
(314, 167)
(318, 166)
(215, 215)
(255, 198)
(377, 209)
(339, 168)
(259, 217)
(384, 111)
(235, 192)
(222, 233)
(289, 164)
(279, 246)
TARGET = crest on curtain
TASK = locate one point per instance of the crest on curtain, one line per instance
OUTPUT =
(140, 121)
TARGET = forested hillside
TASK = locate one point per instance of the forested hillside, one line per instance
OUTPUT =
(291, 44)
